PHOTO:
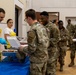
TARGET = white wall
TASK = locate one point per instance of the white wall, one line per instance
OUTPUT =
(66, 8)
(8, 6)
(38, 4)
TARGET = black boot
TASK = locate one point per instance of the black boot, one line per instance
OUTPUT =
(72, 62)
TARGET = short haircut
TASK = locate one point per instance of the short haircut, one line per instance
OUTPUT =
(31, 13)
(44, 13)
(2, 10)
(60, 21)
(69, 19)
(8, 20)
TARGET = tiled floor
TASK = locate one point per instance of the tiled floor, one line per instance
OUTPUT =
(67, 70)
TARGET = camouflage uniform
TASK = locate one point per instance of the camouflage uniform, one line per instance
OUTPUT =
(62, 46)
(71, 30)
(38, 43)
(54, 36)
(74, 31)
(73, 47)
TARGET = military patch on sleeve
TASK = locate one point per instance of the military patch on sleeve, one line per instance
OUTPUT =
(31, 36)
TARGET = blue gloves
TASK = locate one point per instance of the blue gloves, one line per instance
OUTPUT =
(2, 41)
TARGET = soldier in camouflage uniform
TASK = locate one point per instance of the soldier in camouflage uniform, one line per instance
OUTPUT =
(62, 45)
(72, 44)
(73, 48)
(38, 43)
(70, 28)
(54, 36)
(74, 31)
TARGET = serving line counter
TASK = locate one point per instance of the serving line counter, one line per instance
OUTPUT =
(14, 67)
(10, 65)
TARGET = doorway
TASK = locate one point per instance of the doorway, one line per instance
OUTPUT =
(16, 21)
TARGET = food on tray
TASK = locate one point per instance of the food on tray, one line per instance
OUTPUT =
(4, 51)
(10, 50)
